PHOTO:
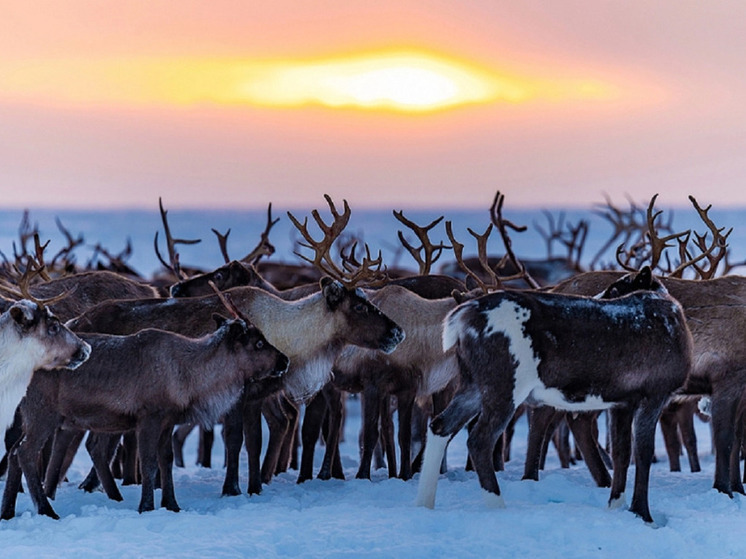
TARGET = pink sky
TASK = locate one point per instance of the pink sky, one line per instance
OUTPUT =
(678, 126)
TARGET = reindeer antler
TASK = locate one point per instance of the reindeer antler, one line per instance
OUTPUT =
(502, 225)
(370, 269)
(427, 253)
(264, 248)
(715, 252)
(175, 265)
(458, 252)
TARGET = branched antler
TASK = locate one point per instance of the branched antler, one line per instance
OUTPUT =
(427, 253)
(175, 265)
(458, 252)
(368, 271)
(65, 253)
(223, 243)
(502, 225)
(264, 248)
(572, 237)
(715, 252)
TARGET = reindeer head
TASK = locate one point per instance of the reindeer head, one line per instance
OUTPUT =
(644, 280)
(43, 339)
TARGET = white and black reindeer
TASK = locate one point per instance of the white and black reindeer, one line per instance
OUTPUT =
(626, 354)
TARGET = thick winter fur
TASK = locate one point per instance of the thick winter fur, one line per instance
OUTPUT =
(32, 338)
(144, 382)
(716, 314)
(418, 368)
(310, 331)
(574, 353)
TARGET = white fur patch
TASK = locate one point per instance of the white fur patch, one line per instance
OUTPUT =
(493, 501)
(509, 318)
(439, 375)
(435, 449)
(455, 326)
(618, 503)
(303, 380)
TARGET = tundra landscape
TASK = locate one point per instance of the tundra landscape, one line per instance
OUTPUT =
(324, 492)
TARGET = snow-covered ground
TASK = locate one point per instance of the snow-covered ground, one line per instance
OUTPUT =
(563, 515)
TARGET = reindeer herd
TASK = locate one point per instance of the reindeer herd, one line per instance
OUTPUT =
(132, 365)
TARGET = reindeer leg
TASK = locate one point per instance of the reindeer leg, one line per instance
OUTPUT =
(481, 442)
(206, 442)
(621, 445)
(670, 433)
(334, 412)
(64, 439)
(148, 437)
(539, 420)
(179, 437)
(12, 485)
(583, 427)
(735, 456)
(251, 412)
(371, 413)
(234, 424)
(166, 466)
(724, 406)
(288, 444)
(29, 451)
(689, 435)
(279, 426)
(405, 408)
(310, 431)
(645, 422)
(465, 405)
(387, 433)
(102, 447)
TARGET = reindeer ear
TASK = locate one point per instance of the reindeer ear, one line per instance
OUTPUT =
(22, 314)
(219, 319)
(644, 278)
(334, 292)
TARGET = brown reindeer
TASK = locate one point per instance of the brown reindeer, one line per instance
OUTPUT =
(311, 331)
(131, 383)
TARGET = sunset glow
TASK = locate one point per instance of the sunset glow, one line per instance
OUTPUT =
(392, 81)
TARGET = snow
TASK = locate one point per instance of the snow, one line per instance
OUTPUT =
(562, 515)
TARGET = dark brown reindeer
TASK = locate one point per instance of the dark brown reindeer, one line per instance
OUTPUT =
(715, 309)
(648, 246)
(626, 354)
(131, 383)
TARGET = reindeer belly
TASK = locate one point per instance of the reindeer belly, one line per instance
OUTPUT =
(564, 401)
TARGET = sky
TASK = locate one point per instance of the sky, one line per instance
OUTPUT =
(402, 104)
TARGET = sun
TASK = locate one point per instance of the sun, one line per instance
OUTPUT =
(394, 81)
(400, 82)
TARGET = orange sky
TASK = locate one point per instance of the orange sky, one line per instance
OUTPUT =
(107, 105)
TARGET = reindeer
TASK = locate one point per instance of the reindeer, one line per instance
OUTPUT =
(32, 338)
(311, 331)
(131, 383)
(715, 309)
(626, 354)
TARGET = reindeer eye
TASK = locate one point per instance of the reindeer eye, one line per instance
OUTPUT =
(259, 344)
(54, 328)
(218, 276)
(360, 308)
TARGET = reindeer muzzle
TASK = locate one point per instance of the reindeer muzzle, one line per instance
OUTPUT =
(80, 356)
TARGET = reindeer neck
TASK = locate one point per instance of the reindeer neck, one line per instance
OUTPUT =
(296, 328)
